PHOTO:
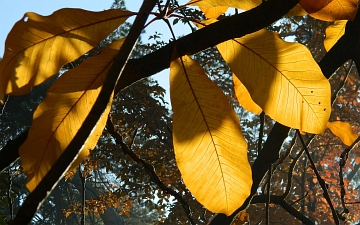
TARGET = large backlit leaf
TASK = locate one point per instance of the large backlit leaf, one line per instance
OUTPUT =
(213, 12)
(343, 131)
(334, 33)
(282, 78)
(60, 115)
(240, 4)
(337, 10)
(210, 151)
(243, 4)
(38, 46)
(244, 97)
(312, 6)
(298, 10)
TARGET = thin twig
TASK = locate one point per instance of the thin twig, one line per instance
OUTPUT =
(149, 169)
(298, 200)
(291, 169)
(2, 106)
(285, 154)
(275, 199)
(343, 158)
(319, 178)
(267, 206)
(10, 200)
(341, 84)
(261, 131)
(350, 203)
(83, 191)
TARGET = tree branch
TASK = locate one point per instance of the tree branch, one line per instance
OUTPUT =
(233, 27)
(9, 153)
(281, 201)
(320, 180)
(44, 188)
(149, 169)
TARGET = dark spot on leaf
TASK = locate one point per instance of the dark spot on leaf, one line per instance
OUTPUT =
(325, 109)
(311, 91)
(319, 103)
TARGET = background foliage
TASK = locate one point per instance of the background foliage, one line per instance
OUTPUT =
(131, 176)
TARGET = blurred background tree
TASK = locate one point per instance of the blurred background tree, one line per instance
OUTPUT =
(131, 176)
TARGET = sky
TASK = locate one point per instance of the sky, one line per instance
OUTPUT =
(14, 10)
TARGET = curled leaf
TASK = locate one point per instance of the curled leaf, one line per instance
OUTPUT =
(334, 33)
(343, 131)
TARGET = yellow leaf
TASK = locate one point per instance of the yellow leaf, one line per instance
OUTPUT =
(298, 10)
(243, 4)
(242, 218)
(337, 10)
(210, 151)
(244, 97)
(282, 78)
(313, 6)
(219, 6)
(38, 46)
(67, 214)
(213, 12)
(57, 119)
(334, 33)
(343, 131)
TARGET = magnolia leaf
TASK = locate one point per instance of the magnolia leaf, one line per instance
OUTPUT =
(38, 46)
(242, 218)
(282, 78)
(312, 6)
(298, 10)
(57, 119)
(243, 4)
(334, 33)
(244, 98)
(343, 131)
(213, 12)
(337, 10)
(210, 150)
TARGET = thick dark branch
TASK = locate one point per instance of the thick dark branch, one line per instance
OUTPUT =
(281, 201)
(347, 47)
(9, 153)
(328, 64)
(44, 188)
(234, 27)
